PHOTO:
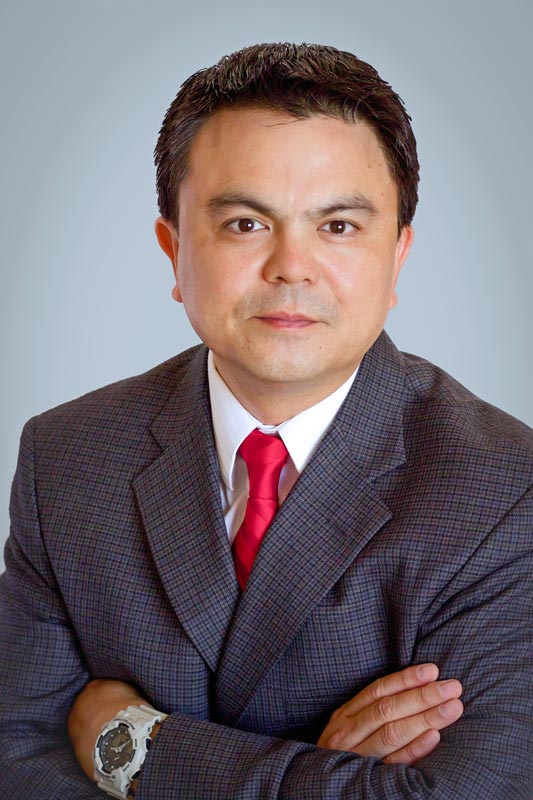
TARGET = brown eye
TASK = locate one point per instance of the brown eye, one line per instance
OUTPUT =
(337, 226)
(245, 225)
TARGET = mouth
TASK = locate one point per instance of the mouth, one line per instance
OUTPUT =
(281, 319)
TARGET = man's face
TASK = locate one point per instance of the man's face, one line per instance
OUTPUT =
(288, 251)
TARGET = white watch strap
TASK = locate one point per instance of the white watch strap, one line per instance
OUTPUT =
(141, 720)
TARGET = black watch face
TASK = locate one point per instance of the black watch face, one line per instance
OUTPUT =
(115, 748)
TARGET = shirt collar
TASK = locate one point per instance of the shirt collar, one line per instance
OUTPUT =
(232, 423)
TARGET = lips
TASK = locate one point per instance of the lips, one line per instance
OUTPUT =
(281, 319)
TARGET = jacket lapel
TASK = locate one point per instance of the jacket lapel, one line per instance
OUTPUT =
(331, 514)
(179, 500)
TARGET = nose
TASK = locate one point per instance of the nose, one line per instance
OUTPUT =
(291, 260)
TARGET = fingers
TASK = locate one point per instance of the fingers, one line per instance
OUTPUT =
(400, 713)
(401, 681)
(401, 734)
(421, 747)
(408, 705)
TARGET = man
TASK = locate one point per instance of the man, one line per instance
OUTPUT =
(291, 653)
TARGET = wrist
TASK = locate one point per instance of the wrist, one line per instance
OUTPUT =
(121, 748)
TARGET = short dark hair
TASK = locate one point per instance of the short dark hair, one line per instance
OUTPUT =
(302, 80)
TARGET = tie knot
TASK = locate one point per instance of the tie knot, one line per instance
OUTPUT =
(265, 456)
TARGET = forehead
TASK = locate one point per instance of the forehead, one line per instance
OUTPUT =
(280, 154)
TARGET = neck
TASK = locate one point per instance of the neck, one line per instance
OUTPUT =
(274, 403)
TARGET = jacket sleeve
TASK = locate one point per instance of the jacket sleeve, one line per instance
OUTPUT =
(479, 630)
(41, 668)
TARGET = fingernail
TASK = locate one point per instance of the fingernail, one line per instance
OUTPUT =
(450, 709)
(426, 672)
(447, 689)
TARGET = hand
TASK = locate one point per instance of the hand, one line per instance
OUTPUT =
(97, 704)
(397, 718)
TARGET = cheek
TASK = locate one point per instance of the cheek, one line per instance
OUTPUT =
(207, 289)
(355, 282)
(364, 287)
(192, 274)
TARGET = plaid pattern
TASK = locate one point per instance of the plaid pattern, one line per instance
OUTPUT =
(410, 540)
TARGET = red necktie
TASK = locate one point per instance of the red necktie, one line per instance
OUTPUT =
(264, 456)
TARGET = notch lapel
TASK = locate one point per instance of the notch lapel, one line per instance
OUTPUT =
(179, 501)
(329, 517)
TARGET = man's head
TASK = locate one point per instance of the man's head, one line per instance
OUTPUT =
(301, 80)
(294, 207)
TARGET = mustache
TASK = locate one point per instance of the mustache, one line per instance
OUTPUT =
(291, 300)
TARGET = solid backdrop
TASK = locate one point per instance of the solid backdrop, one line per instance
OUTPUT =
(85, 84)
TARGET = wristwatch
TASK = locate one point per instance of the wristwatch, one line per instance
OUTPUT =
(121, 748)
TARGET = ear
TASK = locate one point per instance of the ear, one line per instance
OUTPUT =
(167, 236)
(403, 246)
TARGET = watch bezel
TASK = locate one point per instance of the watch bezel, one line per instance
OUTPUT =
(100, 765)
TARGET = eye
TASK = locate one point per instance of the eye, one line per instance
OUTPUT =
(339, 227)
(245, 225)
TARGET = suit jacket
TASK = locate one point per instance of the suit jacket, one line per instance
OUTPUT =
(406, 539)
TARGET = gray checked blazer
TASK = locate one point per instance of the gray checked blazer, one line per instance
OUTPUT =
(408, 538)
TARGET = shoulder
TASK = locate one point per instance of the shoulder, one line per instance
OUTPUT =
(460, 437)
(122, 408)
(435, 395)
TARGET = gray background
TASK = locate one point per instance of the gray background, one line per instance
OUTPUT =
(85, 290)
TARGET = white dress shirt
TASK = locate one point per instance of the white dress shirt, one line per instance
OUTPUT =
(232, 423)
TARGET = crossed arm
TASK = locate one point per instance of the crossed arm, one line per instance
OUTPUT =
(396, 718)
(487, 752)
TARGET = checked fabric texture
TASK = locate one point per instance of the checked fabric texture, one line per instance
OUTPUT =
(265, 457)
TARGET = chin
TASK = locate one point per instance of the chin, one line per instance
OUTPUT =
(281, 371)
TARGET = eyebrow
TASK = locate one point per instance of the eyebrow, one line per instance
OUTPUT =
(347, 202)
